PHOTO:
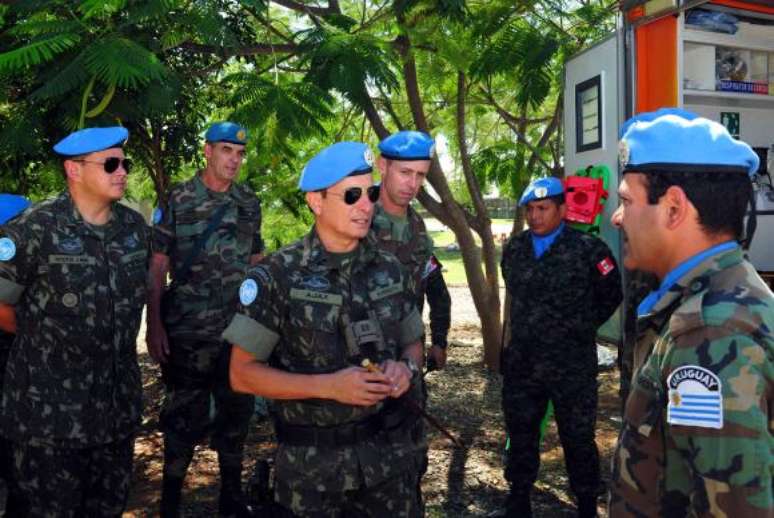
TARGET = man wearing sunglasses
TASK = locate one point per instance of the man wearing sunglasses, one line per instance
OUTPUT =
(72, 273)
(327, 328)
(206, 236)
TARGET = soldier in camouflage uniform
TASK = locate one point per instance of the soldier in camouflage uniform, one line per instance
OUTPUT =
(309, 315)
(564, 284)
(697, 432)
(73, 270)
(404, 161)
(197, 307)
(10, 206)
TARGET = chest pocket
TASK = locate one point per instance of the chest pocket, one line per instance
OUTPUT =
(132, 276)
(315, 343)
(386, 302)
(639, 458)
(71, 282)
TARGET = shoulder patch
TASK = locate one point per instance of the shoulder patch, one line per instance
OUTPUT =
(7, 249)
(158, 214)
(248, 291)
(695, 398)
(605, 266)
(430, 267)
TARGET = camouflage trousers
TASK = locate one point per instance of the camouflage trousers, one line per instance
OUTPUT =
(196, 371)
(63, 482)
(394, 498)
(525, 400)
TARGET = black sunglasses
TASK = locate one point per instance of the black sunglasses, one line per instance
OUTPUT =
(353, 194)
(111, 164)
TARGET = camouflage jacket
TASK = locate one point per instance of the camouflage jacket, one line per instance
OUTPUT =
(412, 245)
(697, 434)
(202, 306)
(295, 309)
(558, 302)
(72, 378)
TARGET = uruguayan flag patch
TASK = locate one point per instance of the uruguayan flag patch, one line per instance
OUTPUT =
(695, 398)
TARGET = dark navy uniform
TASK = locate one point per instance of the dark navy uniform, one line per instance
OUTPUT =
(558, 302)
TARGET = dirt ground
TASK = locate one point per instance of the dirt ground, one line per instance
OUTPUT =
(461, 482)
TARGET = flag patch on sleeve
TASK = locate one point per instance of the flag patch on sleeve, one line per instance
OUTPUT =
(605, 266)
(695, 398)
(430, 266)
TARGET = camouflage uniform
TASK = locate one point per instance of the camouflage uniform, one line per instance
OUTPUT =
(558, 302)
(306, 300)
(638, 285)
(72, 395)
(716, 319)
(409, 242)
(196, 312)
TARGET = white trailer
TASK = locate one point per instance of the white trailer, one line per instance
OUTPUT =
(712, 57)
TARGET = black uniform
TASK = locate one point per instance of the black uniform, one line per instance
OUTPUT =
(558, 302)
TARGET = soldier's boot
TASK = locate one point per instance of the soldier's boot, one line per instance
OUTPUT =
(171, 493)
(232, 501)
(518, 505)
(587, 506)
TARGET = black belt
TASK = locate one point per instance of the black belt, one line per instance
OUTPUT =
(329, 436)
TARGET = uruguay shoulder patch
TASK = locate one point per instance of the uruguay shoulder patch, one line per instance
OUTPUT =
(7, 249)
(248, 291)
(695, 398)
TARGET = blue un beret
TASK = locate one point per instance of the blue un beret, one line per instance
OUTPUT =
(540, 189)
(676, 140)
(408, 145)
(226, 132)
(11, 205)
(334, 163)
(89, 140)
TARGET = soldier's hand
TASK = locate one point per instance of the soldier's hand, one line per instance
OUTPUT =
(399, 375)
(157, 341)
(438, 355)
(358, 386)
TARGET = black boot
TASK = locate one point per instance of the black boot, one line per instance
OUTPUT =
(587, 506)
(518, 505)
(171, 491)
(232, 501)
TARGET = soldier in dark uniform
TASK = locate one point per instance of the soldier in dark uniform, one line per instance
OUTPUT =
(309, 315)
(206, 236)
(73, 271)
(404, 162)
(564, 284)
(10, 206)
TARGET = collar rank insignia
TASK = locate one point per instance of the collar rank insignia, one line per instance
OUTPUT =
(695, 398)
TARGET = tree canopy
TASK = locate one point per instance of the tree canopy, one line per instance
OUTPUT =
(482, 76)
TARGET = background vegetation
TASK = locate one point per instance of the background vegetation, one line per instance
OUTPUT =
(483, 76)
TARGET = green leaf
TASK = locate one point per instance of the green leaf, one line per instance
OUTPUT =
(37, 52)
(120, 61)
(100, 8)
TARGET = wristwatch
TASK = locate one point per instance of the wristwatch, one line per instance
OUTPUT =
(411, 364)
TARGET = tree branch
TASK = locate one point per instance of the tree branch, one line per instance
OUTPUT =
(250, 50)
(333, 7)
